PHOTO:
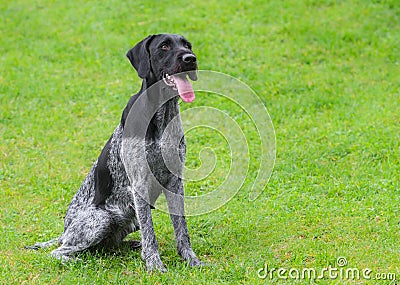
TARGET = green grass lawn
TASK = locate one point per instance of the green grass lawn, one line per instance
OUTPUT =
(329, 74)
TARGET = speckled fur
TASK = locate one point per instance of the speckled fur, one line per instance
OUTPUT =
(86, 225)
(150, 176)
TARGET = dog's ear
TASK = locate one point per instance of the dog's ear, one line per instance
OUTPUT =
(140, 58)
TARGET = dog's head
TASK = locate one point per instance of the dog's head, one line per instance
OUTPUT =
(166, 57)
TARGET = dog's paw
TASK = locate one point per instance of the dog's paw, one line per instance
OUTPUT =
(155, 264)
(190, 257)
(65, 259)
(195, 262)
(134, 244)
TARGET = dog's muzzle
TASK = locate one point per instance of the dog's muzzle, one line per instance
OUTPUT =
(180, 83)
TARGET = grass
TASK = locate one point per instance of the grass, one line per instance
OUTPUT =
(328, 72)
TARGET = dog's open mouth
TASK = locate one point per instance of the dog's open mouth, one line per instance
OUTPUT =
(182, 84)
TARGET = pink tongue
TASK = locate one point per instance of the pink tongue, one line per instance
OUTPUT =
(185, 89)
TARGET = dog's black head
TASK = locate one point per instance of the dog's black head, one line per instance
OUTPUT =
(162, 57)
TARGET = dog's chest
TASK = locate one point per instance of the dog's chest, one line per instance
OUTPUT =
(164, 146)
(165, 156)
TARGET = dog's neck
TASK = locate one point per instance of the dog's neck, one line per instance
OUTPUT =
(155, 106)
(166, 113)
(163, 116)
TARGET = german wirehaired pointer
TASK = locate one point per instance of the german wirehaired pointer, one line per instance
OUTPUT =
(122, 186)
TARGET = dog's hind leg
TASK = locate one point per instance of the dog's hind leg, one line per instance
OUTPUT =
(174, 195)
(88, 229)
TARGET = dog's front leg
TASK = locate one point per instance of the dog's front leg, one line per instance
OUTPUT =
(150, 252)
(175, 202)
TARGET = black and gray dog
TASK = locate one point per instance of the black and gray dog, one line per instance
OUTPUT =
(117, 195)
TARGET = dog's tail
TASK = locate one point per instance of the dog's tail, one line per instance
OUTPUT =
(45, 244)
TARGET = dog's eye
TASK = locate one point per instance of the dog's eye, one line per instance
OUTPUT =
(165, 47)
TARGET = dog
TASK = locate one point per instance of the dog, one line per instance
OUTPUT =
(117, 195)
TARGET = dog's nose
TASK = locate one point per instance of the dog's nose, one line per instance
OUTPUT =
(189, 58)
